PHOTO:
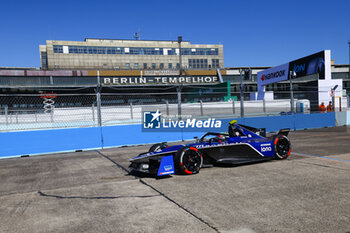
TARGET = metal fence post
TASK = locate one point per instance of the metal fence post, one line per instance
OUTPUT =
(291, 75)
(98, 103)
(201, 104)
(233, 107)
(179, 102)
(98, 100)
(6, 114)
(131, 112)
(242, 93)
(167, 107)
(264, 105)
(51, 115)
(93, 112)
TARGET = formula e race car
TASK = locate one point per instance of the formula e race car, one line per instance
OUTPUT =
(242, 144)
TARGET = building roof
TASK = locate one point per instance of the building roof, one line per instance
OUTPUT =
(86, 39)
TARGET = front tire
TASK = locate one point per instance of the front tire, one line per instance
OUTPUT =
(282, 147)
(188, 160)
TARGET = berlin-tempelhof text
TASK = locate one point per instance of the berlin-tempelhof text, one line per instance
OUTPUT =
(159, 80)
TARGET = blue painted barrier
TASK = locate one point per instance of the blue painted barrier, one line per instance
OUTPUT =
(61, 140)
(132, 135)
(48, 141)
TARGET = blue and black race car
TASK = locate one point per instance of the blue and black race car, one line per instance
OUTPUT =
(242, 144)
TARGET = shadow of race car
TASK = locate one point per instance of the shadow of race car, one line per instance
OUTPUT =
(242, 144)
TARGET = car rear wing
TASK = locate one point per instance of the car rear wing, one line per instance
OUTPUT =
(258, 131)
(284, 132)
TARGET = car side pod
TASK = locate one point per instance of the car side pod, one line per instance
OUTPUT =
(166, 166)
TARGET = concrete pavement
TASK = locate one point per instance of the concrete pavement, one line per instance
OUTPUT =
(92, 191)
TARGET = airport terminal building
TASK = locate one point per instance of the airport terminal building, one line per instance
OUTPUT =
(116, 54)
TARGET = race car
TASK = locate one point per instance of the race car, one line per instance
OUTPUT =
(242, 144)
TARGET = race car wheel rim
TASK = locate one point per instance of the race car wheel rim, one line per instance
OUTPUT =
(282, 147)
(191, 161)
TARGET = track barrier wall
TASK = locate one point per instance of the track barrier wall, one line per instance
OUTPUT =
(21, 143)
(342, 118)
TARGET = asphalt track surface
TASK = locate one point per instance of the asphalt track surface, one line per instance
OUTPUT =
(92, 191)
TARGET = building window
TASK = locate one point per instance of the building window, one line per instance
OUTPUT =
(215, 63)
(199, 51)
(43, 60)
(198, 63)
(136, 65)
(154, 65)
(145, 65)
(161, 66)
(135, 50)
(170, 65)
(177, 65)
(172, 51)
(58, 49)
(127, 65)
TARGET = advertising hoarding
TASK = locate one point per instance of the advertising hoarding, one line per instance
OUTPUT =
(305, 66)
(273, 75)
(308, 65)
(317, 63)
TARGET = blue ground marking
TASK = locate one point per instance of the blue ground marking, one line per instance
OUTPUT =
(323, 157)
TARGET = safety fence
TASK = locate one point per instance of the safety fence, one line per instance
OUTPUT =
(51, 110)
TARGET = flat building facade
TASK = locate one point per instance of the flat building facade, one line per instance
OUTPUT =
(110, 54)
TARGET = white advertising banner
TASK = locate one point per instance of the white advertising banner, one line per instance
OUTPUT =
(272, 75)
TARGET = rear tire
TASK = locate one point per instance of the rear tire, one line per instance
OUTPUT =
(188, 161)
(158, 147)
(282, 147)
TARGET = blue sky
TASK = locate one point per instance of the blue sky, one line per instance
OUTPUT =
(254, 33)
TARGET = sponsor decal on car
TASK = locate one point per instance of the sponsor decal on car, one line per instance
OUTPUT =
(267, 148)
(168, 167)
